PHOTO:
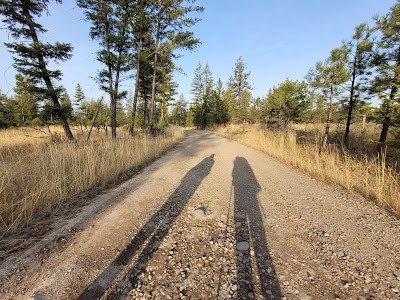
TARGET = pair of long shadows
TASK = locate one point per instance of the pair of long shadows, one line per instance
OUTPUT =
(247, 212)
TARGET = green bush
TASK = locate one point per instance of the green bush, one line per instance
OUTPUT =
(36, 122)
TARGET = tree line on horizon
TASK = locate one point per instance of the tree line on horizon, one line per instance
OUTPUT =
(138, 41)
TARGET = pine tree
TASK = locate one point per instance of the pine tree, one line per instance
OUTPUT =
(26, 102)
(219, 109)
(170, 20)
(142, 39)
(66, 105)
(5, 114)
(239, 86)
(31, 59)
(202, 88)
(220, 88)
(360, 51)
(179, 112)
(190, 118)
(198, 84)
(82, 105)
(208, 80)
(230, 102)
(328, 76)
(386, 83)
(79, 96)
(287, 102)
(111, 21)
(166, 87)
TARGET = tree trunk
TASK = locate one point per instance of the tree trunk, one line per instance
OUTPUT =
(94, 120)
(162, 110)
(113, 99)
(363, 123)
(114, 111)
(22, 111)
(145, 113)
(153, 90)
(134, 105)
(386, 121)
(328, 121)
(351, 103)
(42, 65)
(385, 129)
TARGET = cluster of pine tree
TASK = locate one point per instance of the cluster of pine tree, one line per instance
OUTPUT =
(213, 104)
(139, 37)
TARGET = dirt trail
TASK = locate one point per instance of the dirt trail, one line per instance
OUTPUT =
(214, 219)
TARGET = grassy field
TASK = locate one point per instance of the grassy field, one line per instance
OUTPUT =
(362, 140)
(39, 169)
(365, 174)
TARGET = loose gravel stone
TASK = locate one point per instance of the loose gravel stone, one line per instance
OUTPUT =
(243, 246)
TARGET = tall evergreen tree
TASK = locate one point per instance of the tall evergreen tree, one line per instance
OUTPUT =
(202, 87)
(31, 59)
(110, 25)
(81, 105)
(328, 76)
(166, 86)
(219, 110)
(198, 84)
(240, 86)
(386, 83)
(66, 105)
(220, 88)
(208, 80)
(179, 112)
(170, 20)
(360, 51)
(142, 39)
(26, 102)
(79, 96)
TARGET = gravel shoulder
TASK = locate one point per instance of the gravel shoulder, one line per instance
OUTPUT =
(213, 219)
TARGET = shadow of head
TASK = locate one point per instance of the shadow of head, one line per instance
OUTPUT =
(198, 173)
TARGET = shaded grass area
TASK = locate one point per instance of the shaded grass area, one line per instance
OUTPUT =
(40, 173)
(371, 177)
(363, 139)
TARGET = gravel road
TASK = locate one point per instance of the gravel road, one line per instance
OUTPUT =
(213, 219)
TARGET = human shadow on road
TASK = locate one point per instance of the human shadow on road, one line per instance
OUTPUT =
(250, 235)
(156, 229)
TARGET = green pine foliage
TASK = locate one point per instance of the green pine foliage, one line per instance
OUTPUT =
(328, 77)
(111, 22)
(359, 64)
(386, 82)
(26, 102)
(179, 112)
(287, 102)
(31, 56)
(240, 87)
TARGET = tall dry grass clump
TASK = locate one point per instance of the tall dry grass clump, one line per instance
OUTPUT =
(370, 177)
(50, 172)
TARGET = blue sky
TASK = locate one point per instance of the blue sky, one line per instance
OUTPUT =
(277, 39)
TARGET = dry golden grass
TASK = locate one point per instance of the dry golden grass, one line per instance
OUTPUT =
(370, 177)
(37, 173)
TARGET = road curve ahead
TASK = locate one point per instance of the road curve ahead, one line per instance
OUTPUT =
(213, 219)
